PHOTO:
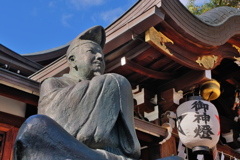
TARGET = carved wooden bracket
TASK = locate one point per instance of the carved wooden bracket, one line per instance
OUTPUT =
(167, 101)
(143, 100)
(157, 40)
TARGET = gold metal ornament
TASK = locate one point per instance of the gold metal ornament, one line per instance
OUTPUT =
(238, 48)
(207, 61)
(210, 90)
(157, 40)
(237, 60)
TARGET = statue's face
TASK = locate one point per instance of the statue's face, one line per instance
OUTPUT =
(88, 60)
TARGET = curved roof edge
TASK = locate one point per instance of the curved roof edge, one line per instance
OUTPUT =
(29, 55)
(46, 51)
(219, 15)
(112, 31)
(16, 62)
(145, 14)
(198, 28)
(47, 55)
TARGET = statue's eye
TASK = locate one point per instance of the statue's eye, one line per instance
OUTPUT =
(90, 51)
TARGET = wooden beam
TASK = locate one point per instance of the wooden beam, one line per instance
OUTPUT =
(186, 81)
(19, 95)
(139, 24)
(150, 128)
(146, 139)
(10, 119)
(168, 148)
(54, 69)
(17, 61)
(113, 60)
(19, 82)
(228, 75)
(166, 103)
(228, 151)
(147, 72)
(233, 81)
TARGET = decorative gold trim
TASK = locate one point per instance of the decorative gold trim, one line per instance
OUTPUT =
(237, 60)
(157, 40)
(207, 61)
(238, 48)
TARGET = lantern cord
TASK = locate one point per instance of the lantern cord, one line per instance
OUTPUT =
(230, 156)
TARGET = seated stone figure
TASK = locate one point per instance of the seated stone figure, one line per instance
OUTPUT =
(84, 114)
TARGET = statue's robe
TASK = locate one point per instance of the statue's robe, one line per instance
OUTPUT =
(97, 112)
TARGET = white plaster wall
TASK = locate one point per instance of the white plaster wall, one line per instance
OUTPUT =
(12, 106)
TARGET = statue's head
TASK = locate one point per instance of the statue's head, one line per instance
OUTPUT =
(85, 56)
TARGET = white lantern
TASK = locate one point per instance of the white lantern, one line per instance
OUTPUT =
(198, 124)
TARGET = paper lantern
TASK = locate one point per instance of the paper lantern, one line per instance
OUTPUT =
(198, 124)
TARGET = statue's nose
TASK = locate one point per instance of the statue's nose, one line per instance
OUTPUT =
(99, 56)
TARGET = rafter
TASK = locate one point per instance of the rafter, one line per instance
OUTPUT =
(145, 71)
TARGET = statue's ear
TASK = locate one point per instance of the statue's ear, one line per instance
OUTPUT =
(71, 61)
(71, 58)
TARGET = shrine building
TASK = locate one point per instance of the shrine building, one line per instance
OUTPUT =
(167, 54)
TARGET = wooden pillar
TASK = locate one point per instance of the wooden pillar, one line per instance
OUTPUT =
(8, 142)
(168, 148)
(9, 126)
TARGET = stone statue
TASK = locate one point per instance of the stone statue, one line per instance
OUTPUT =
(84, 114)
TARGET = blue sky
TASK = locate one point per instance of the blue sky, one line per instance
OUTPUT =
(35, 25)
